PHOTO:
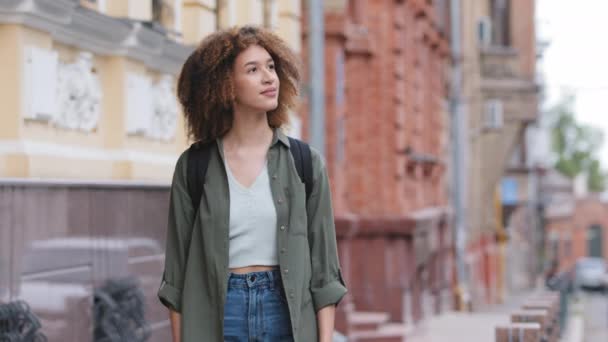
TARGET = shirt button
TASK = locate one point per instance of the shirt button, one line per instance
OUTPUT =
(282, 227)
(280, 200)
(291, 295)
(286, 271)
(283, 250)
(274, 176)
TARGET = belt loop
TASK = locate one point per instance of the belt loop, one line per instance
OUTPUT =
(270, 276)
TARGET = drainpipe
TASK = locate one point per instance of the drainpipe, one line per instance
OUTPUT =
(458, 155)
(316, 65)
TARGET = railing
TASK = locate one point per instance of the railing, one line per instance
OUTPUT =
(499, 62)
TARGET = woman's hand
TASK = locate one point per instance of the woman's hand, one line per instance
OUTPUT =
(176, 320)
(325, 321)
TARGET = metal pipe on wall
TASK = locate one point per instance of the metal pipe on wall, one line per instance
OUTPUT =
(458, 156)
(316, 65)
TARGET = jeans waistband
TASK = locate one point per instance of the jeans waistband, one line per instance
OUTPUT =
(254, 279)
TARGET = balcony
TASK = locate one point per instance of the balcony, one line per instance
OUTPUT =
(499, 62)
(502, 79)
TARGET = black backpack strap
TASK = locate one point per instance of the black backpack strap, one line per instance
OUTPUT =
(198, 161)
(303, 161)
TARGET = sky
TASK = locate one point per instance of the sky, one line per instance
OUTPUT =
(577, 58)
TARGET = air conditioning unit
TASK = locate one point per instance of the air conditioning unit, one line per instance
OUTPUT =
(484, 31)
(493, 114)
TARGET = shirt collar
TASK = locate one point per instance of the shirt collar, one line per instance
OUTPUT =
(278, 135)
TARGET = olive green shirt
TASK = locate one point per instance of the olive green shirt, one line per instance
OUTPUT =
(196, 272)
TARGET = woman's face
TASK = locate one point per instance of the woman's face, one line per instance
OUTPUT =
(256, 83)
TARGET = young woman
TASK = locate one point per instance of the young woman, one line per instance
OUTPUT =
(256, 260)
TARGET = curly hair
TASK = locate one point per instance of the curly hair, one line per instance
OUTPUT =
(205, 87)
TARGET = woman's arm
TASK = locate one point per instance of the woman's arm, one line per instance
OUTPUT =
(176, 321)
(326, 286)
(179, 231)
(325, 321)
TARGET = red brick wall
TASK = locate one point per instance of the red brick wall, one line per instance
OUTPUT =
(394, 91)
(589, 212)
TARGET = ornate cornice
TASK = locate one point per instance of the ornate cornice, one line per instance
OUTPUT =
(72, 24)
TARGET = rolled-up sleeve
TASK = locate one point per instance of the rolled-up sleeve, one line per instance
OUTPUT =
(179, 231)
(327, 284)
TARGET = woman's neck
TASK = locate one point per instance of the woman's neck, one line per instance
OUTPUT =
(249, 129)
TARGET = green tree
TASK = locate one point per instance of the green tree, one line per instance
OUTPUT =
(576, 145)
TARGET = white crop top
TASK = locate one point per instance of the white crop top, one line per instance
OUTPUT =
(253, 222)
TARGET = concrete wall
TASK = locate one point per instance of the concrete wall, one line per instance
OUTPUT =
(59, 242)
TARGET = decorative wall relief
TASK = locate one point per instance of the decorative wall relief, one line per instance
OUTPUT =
(67, 95)
(138, 103)
(151, 109)
(79, 95)
(163, 123)
(39, 101)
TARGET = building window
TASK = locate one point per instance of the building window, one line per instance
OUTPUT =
(500, 12)
(163, 12)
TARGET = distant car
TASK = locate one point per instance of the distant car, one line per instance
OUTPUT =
(591, 273)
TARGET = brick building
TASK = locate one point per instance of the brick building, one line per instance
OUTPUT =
(576, 226)
(387, 130)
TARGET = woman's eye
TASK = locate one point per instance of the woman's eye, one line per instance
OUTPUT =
(252, 70)
(271, 67)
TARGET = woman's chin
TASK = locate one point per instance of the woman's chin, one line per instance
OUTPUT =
(268, 107)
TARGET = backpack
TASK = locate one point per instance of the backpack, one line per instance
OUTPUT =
(198, 161)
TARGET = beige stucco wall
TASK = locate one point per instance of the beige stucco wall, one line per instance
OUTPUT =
(10, 84)
(489, 150)
(39, 149)
(134, 9)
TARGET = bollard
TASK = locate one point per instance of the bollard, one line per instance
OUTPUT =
(533, 316)
(518, 332)
(552, 329)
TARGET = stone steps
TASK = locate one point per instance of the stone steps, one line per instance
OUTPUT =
(375, 326)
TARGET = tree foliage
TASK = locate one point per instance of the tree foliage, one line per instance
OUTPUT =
(575, 145)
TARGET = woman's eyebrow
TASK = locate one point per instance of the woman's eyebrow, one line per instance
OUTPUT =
(256, 63)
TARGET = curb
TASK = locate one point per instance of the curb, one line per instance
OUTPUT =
(575, 328)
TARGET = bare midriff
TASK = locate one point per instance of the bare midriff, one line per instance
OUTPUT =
(250, 269)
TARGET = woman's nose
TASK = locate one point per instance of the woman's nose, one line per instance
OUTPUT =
(268, 77)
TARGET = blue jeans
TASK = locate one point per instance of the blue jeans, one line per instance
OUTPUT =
(256, 309)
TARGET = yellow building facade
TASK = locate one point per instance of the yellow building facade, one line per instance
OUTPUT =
(88, 87)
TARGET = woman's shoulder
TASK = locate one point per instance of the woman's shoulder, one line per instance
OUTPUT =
(182, 160)
(181, 166)
(318, 160)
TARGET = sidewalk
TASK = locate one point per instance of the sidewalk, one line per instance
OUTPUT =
(479, 326)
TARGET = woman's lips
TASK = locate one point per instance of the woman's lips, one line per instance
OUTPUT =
(270, 93)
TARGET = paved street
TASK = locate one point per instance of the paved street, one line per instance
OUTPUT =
(596, 317)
